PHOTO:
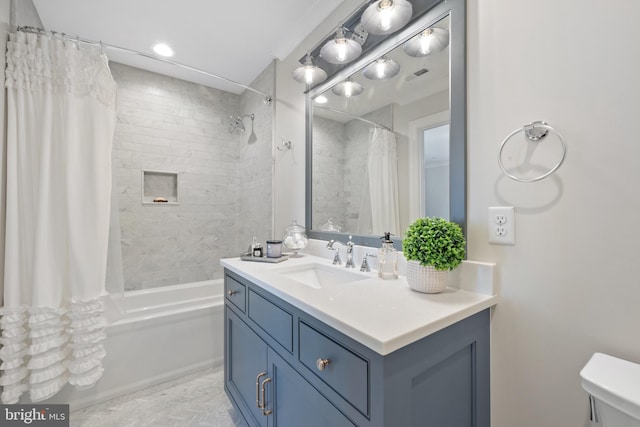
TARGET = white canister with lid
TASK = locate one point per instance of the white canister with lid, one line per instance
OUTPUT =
(274, 248)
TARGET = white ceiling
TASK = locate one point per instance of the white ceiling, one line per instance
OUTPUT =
(235, 39)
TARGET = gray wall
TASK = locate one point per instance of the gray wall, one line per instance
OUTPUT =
(166, 124)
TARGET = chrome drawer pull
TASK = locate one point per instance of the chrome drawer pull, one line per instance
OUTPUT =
(232, 293)
(322, 363)
(261, 374)
(264, 403)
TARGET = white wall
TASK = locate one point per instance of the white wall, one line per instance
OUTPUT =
(5, 16)
(24, 13)
(571, 284)
(289, 124)
(255, 173)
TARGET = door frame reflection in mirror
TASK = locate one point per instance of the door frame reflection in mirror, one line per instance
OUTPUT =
(417, 184)
(456, 10)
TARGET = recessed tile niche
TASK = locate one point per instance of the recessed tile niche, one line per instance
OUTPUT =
(159, 188)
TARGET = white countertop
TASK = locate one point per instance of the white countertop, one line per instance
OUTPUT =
(383, 315)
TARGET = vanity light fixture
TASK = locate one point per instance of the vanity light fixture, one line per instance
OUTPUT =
(386, 16)
(431, 40)
(381, 69)
(347, 88)
(163, 49)
(309, 73)
(340, 50)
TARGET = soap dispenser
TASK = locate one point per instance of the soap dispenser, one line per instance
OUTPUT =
(387, 259)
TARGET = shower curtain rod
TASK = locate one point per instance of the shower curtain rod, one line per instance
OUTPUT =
(353, 116)
(267, 97)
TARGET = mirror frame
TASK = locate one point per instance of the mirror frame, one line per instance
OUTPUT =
(456, 9)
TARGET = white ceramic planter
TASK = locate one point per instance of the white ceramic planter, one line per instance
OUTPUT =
(426, 279)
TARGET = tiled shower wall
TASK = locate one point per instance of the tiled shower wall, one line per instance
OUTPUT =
(329, 195)
(166, 124)
(340, 156)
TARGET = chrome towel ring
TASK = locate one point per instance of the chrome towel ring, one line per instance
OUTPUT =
(534, 132)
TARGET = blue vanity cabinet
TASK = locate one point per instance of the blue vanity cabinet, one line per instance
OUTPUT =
(245, 368)
(318, 376)
(295, 402)
(266, 389)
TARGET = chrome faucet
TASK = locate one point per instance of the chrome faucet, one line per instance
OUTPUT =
(336, 258)
(365, 263)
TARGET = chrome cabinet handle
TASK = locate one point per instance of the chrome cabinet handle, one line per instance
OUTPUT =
(264, 402)
(322, 363)
(261, 374)
(232, 293)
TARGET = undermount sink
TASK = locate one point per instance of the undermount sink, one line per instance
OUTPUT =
(318, 275)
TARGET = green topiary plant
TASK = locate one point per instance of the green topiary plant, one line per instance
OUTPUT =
(436, 242)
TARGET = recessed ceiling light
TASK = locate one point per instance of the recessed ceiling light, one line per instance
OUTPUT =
(321, 99)
(162, 49)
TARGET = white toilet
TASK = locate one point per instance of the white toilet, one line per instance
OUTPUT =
(614, 388)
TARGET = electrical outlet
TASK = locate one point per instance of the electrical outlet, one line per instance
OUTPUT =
(502, 227)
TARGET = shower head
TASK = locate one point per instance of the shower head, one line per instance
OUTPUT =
(235, 124)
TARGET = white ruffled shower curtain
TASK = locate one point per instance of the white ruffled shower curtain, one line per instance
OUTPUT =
(379, 211)
(61, 117)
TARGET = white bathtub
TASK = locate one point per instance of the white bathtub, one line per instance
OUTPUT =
(167, 332)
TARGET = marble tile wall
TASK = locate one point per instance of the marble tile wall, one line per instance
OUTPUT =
(356, 153)
(329, 194)
(166, 124)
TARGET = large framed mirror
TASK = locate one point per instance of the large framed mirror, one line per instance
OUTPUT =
(386, 143)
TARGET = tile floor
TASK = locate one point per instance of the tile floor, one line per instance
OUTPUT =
(197, 400)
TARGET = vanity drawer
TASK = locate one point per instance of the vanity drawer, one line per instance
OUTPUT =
(346, 372)
(235, 292)
(272, 319)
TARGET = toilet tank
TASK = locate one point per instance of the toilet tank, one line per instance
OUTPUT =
(614, 385)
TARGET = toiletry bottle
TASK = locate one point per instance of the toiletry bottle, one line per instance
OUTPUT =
(387, 259)
(257, 250)
(254, 244)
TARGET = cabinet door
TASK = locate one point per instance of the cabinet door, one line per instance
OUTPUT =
(245, 360)
(295, 402)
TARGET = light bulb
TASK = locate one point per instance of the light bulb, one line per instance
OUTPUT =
(386, 11)
(348, 89)
(380, 67)
(425, 41)
(308, 74)
(321, 99)
(341, 52)
(340, 49)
